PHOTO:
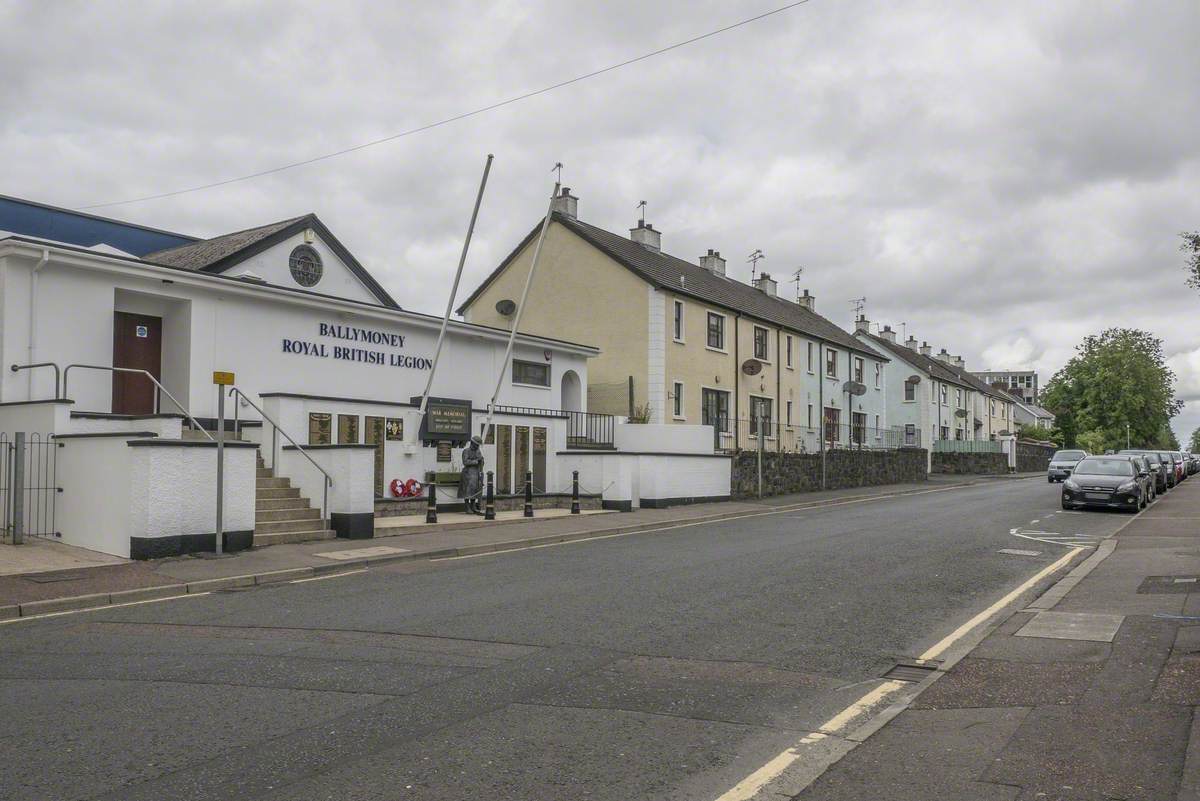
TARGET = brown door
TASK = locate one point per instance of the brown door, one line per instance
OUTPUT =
(137, 344)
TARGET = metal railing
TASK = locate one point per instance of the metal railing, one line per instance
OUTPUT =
(235, 393)
(28, 486)
(57, 373)
(967, 446)
(157, 395)
(584, 429)
(731, 435)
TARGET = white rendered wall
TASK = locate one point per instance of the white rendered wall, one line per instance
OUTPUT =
(162, 427)
(39, 418)
(174, 490)
(664, 438)
(352, 470)
(678, 476)
(94, 509)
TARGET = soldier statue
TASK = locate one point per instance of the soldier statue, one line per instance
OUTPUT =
(470, 482)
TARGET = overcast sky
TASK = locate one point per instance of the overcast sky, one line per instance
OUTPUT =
(1005, 178)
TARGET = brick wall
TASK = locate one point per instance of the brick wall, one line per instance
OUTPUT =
(786, 473)
(977, 464)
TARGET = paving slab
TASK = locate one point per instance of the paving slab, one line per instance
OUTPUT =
(1139, 651)
(976, 682)
(1072, 626)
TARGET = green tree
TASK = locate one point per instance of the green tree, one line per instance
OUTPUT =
(1117, 378)
(1191, 246)
(1194, 445)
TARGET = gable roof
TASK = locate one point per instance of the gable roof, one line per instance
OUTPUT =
(218, 254)
(936, 369)
(665, 271)
(1033, 408)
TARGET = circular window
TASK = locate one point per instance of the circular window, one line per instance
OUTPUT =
(305, 264)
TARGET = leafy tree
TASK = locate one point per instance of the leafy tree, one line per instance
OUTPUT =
(1191, 246)
(1117, 377)
(1033, 432)
(1194, 446)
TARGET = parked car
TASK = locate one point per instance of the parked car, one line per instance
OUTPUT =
(1157, 468)
(1145, 477)
(1180, 466)
(1062, 463)
(1110, 482)
(1172, 468)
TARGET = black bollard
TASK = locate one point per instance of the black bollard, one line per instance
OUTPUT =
(574, 492)
(529, 493)
(431, 499)
(489, 510)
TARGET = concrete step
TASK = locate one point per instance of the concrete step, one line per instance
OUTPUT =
(283, 537)
(265, 472)
(262, 504)
(275, 493)
(284, 525)
(271, 483)
(277, 515)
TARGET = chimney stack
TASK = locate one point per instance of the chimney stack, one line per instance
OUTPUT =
(566, 204)
(646, 236)
(944, 356)
(713, 262)
(911, 343)
(888, 334)
(958, 362)
(766, 283)
(862, 324)
(926, 350)
(807, 301)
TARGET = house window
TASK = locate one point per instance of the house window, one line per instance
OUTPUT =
(760, 409)
(716, 331)
(831, 363)
(760, 343)
(833, 422)
(858, 428)
(942, 392)
(910, 391)
(320, 428)
(679, 321)
(992, 406)
(858, 369)
(809, 423)
(959, 433)
(789, 413)
(810, 357)
(714, 408)
(945, 432)
(530, 373)
(677, 401)
(910, 434)
(789, 351)
(957, 398)
(878, 370)
(876, 425)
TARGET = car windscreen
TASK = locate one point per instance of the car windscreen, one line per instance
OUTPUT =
(1067, 456)
(1166, 457)
(1105, 467)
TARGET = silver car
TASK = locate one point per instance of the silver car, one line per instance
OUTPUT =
(1062, 464)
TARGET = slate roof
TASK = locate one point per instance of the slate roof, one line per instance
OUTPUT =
(203, 254)
(936, 369)
(664, 271)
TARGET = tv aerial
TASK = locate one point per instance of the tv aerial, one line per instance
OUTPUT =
(754, 259)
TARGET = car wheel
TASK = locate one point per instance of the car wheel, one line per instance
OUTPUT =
(1049, 479)
(1066, 506)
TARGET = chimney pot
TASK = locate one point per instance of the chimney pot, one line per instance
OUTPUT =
(766, 283)
(646, 236)
(888, 334)
(926, 350)
(713, 262)
(862, 324)
(566, 204)
(807, 301)
(911, 343)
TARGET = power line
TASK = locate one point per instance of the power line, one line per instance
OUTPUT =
(456, 117)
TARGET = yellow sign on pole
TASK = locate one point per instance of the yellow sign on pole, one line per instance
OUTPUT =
(223, 379)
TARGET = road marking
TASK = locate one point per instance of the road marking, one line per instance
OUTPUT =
(1053, 538)
(960, 632)
(748, 787)
(334, 575)
(1019, 552)
(105, 606)
(1031, 522)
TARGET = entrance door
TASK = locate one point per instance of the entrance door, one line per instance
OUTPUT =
(374, 435)
(137, 344)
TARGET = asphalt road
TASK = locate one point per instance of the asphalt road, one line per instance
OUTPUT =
(652, 666)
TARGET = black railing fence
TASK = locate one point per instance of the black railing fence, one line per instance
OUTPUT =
(730, 435)
(584, 429)
(28, 486)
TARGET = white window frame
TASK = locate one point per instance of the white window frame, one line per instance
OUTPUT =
(878, 373)
(789, 414)
(909, 386)
(858, 368)
(810, 411)
(678, 327)
(828, 353)
(789, 352)
(944, 394)
(724, 331)
(811, 363)
(549, 373)
(772, 421)
(766, 358)
(678, 412)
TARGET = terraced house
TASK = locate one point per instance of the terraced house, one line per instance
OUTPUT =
(683, 342)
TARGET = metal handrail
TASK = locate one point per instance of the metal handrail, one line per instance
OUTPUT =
(161, 388)
(57, 373)
(234, 391)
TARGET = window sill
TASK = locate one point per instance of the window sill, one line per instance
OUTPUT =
(716, 350)
(679, 341)
(531, 386)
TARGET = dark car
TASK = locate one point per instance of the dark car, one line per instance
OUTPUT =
(1145, 477)
(1172, 467)
(1062, 463)
(1111, 482)
(1157, 468)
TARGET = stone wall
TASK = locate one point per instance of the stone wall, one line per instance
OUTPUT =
(787, 473)
(975, 464)
(1032, 458)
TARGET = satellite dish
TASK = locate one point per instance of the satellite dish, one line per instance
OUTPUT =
(960, 412)
(913, 379)
(506, 307)
(854, 388)
(752, 367)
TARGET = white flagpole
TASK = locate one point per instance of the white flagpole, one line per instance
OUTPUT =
(512, 335)
(462, 259)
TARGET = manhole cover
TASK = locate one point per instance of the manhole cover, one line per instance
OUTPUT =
(910, 671)
(1169, 585)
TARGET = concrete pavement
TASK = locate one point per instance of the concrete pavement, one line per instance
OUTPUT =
(669, 665)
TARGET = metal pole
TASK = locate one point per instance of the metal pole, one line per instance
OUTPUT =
(431, 499)
(512, 335)
(762, 438)
(528, 493)
(821, 401)
(18, 488)
(489, 509)
(462, 259)
(220, 469)
(574, 492)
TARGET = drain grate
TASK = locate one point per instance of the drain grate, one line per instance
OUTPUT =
(1169, 585)
(911, 671)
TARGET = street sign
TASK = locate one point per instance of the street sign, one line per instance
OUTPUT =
(223, 379)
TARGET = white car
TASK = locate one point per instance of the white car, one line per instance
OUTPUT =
(1062, 464)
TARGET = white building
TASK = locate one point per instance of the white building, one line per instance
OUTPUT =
(313, 340)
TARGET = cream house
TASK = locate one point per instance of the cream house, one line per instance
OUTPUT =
(685, 343)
